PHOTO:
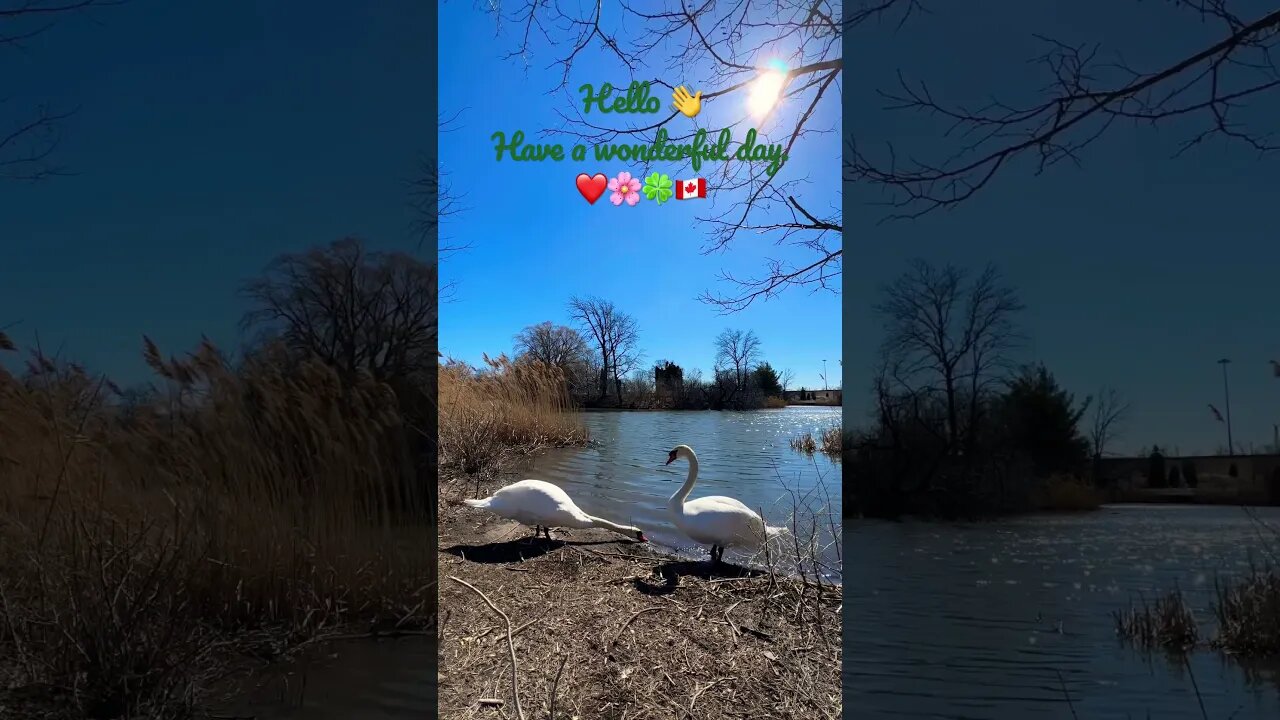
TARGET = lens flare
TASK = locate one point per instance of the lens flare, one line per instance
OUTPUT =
(766, 90)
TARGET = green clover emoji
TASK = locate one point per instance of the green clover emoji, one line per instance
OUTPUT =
(657, 187)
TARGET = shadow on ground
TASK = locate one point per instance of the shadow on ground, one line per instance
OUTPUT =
(513, 551)
(671, 572)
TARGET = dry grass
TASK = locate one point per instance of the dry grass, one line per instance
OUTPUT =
(1063, 493)
(506, 409)
(1248, 613)
(593, 628)
(241, 511)
(828, 441)
(1169, 624)
(805, 443)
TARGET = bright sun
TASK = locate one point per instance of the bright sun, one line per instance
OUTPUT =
(765, 92)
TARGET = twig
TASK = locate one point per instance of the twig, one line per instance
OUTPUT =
(511, 646)
(698, 692)
(555, 686)
(1070, 705)
(520, 629)
(631, 619)
(1186, 660)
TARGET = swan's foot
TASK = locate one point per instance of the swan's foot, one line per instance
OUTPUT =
(717, 553)
(547, 532)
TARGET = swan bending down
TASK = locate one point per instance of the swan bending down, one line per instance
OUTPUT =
(543, 506)
(714, 520)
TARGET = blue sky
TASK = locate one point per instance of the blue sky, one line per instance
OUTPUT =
(534, 241)
(209, 138)
(1138, 271)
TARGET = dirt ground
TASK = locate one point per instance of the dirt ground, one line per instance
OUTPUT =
(602, 627)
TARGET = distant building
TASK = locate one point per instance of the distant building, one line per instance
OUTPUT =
(805, 396)
(1246, 478)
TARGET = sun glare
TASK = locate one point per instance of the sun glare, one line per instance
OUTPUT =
(765, 92)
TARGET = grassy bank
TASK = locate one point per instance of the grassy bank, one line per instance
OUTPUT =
(590, 625)
(492, 416)
(148, 545)
(1066, 493)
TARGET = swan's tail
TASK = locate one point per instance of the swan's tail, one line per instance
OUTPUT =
(478, 503)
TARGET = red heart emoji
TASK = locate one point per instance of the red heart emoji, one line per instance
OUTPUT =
(592, 187)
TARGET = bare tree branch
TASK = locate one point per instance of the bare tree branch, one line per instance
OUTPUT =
(1083, 101)
(28, 141)
(1109, 410)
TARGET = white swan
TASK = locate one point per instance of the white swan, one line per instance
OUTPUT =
(542, 506)
(715, 520)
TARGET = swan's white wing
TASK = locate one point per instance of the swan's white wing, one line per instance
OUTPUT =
(720, 520)
(726, 502)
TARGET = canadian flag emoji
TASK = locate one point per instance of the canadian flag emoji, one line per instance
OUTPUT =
(689, 189)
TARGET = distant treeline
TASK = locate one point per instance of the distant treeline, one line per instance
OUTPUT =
(600, 358)
(959, 428)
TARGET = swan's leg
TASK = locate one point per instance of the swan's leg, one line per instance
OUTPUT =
(547, 531)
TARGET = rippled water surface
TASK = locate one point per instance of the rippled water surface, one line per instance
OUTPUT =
(1009, 619)
(745, 455)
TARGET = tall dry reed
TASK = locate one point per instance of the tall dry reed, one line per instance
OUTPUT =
(1169, 624)
(140, 541)
(503, 409)
(828, 441)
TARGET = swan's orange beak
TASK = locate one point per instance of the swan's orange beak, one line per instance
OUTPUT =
(640, 536)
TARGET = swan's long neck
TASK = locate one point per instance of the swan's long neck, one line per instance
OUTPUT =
(606, 524)
(677, 500)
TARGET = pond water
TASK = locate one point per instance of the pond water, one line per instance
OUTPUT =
(1009, 619)
(745, 455)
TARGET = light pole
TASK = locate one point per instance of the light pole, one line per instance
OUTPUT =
(1226, 394)
(1275, 429)
(824, 375)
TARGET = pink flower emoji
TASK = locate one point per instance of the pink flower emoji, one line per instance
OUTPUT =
(624, 187)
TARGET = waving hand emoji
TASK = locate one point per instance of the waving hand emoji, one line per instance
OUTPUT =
(688, 105)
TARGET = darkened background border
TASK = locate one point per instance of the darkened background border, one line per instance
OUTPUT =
(847, 380)
(431, 244)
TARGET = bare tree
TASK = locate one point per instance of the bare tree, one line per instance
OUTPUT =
(552, 344)
(1109, 411)
(357, 310)
(737, 351)
(1087, 91)
(27, 143)
(785, 379)
(718, 48)
(615, 336)
(948, 333)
